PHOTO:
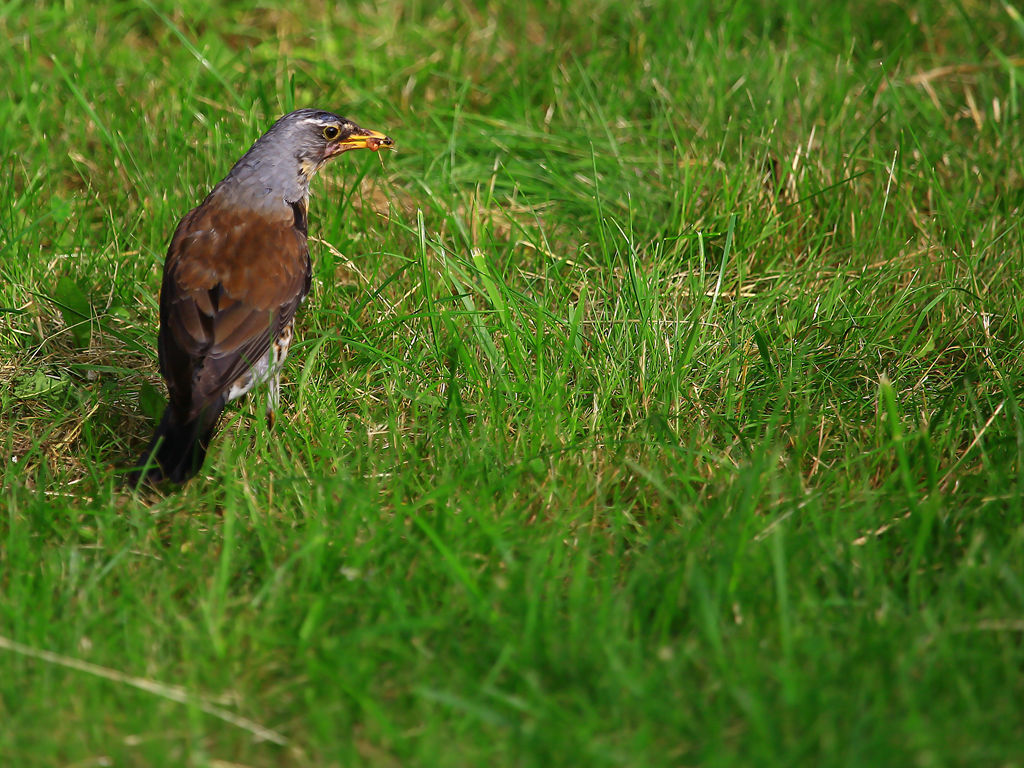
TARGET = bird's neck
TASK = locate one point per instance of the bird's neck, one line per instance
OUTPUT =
(270, 183)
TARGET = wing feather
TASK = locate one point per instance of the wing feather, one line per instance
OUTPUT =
(231, 284)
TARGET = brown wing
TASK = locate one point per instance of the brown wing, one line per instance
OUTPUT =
(231, 283)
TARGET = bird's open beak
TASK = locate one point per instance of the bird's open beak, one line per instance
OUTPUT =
(363, 138)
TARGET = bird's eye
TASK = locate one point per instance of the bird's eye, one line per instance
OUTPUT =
(331, 132)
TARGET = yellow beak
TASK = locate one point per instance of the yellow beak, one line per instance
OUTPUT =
(362, 138)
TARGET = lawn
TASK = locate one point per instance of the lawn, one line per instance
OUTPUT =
(659, 402)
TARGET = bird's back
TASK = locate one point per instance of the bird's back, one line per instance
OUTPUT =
(231, 281)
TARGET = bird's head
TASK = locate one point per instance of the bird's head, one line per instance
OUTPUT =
(315, 136)
(295, 147)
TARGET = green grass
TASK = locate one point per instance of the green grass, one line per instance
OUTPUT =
(660, 402)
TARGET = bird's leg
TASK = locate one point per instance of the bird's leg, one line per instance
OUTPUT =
(277, 353)
(273, 398)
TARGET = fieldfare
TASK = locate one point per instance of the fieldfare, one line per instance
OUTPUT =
(237, 269)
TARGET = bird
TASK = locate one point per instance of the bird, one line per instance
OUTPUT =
(236, 270)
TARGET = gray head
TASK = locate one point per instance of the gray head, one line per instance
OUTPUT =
(279, 166)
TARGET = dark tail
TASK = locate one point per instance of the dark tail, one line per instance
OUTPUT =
(178, 448)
